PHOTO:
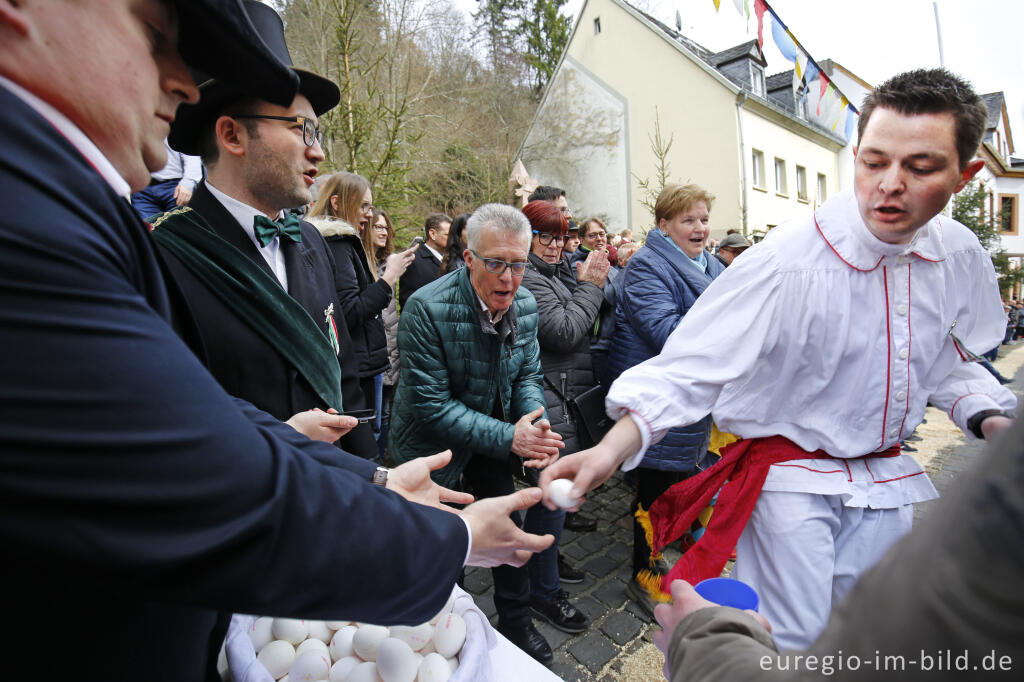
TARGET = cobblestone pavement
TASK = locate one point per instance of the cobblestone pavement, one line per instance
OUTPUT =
(619, 629)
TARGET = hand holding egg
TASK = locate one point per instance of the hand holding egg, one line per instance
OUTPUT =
(560, 492)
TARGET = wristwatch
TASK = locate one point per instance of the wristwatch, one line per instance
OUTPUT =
(974, 423)
(380, 476)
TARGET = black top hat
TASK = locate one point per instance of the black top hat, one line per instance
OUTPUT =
(214, 94)
(218, 38)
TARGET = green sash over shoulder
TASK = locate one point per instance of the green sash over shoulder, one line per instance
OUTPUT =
(257, 298)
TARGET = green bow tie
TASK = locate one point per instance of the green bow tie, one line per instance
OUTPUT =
(267, 229)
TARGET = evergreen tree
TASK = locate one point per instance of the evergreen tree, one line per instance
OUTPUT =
(547, 33)
(969, 208)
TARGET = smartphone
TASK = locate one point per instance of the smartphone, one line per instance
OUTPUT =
(363, 416)
(416, 241)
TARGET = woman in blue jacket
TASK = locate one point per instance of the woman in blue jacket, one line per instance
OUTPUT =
(661, 283)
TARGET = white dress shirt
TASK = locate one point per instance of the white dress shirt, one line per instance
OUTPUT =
(245, 215)
(75, 136)
(837, 341)
(187, 169)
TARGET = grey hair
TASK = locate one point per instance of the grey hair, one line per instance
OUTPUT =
(501, 218)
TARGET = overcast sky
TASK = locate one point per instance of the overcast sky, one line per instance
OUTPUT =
(981, 39)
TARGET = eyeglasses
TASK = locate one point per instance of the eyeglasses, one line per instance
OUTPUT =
(498, 267)
(381, 228)
(310, 131)
(597, 235)
(546, 238)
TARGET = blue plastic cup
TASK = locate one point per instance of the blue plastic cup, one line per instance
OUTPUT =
(728, 592)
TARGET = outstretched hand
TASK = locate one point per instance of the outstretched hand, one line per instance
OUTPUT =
(326, 426)
(496, 539)
(412, 481)
(588, 469)
(685, 601)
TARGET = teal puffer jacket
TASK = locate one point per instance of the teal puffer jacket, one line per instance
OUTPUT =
(452, 371)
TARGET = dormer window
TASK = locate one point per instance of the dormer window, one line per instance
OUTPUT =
(757, 79)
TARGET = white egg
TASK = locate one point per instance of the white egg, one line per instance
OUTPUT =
(310, 666)
(319, 630)
(313, 645)
(290, 630)
(367, 639)
(419, 658)
(450, 635)
(444, 609)
(395, 661)
(341, 643)
(416, 637)
(364, 672)
(337, 624)
(260, 632)
(342, 667)
(453, 664)
(434, 668)
(560, 491)
(277, 657)
(428, 648)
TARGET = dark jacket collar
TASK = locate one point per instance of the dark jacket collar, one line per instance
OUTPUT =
(542, 266)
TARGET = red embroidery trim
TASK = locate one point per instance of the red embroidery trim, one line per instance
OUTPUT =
(837, 253)
(888, 355)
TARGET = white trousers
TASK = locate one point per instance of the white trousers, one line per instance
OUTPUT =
(802, 552)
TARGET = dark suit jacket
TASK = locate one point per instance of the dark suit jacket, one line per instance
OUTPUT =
(242, 361)
(137, 498)
(424, 269)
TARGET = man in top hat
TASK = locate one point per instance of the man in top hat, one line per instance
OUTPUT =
(733, 245)
(261, 159)
(139, 499)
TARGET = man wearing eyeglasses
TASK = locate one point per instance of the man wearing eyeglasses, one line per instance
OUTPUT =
(261, 161)
(471, 380)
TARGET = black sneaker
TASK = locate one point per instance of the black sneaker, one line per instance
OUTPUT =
(532, 642)
(578, 523)
(568, 574)
(560, 613)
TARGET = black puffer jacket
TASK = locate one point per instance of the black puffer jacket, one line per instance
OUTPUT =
(362, 297)
(563, 330)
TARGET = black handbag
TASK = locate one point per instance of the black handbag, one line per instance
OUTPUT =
(587, 412)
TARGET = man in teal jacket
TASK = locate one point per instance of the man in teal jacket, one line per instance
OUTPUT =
(471, 380)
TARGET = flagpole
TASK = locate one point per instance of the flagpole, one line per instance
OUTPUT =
(938, 34)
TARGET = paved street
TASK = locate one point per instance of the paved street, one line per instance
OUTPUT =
(618, 635)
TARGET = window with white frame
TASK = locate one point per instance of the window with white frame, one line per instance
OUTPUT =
(781, 188)
(822, 188)
(757, 163)
(801, 183)
(757, 79)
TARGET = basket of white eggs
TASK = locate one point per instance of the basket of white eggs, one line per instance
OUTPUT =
(453, 646)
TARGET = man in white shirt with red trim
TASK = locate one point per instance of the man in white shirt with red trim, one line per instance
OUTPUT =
(821, 347)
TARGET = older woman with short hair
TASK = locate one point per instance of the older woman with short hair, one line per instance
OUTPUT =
(661, 284)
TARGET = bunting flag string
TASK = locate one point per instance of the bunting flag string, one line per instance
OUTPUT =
(831, 103)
